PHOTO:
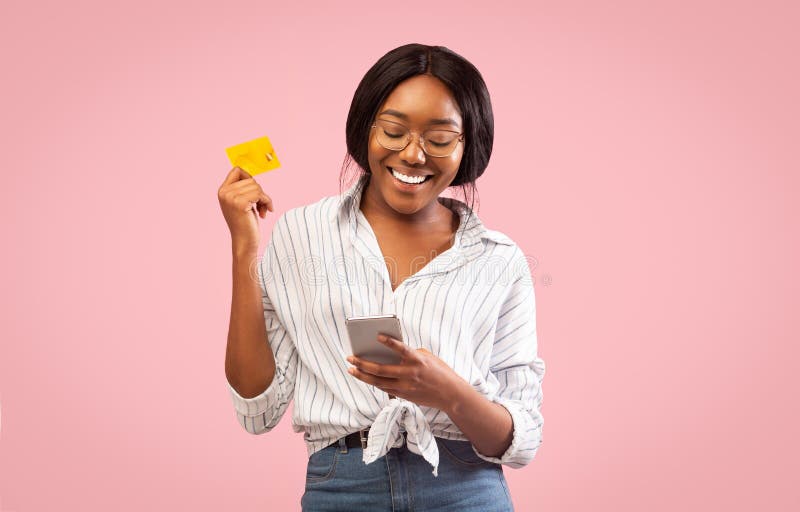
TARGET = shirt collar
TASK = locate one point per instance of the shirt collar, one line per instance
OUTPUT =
(470, 231)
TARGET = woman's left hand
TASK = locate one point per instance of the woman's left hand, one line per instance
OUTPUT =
(421, 377)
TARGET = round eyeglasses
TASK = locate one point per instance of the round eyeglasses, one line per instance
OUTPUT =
(435, 143)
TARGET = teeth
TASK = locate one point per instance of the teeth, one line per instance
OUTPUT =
(407, 179)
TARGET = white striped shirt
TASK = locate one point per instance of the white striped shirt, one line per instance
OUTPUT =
(472, 306)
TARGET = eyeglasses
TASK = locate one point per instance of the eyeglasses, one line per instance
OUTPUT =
(435, 143)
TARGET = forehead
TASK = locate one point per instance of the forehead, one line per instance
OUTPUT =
(422, 98)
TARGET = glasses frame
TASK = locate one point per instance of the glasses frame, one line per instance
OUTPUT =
(420, 139)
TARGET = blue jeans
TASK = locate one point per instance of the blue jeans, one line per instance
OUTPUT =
(338, 480)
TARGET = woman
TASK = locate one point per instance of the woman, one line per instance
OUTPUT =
(465, 398)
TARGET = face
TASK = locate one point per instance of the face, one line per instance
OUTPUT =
(420, 103)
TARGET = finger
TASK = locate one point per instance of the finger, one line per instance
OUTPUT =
(391, 371)
(246, 200)
(369, 379)
(396, 345)
(378, 382)
(264, 205)
(255, 194)
(247, 182)
(248, 190)
(266, 201)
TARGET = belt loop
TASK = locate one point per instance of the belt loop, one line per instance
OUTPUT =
(342, 445)
(363, 435)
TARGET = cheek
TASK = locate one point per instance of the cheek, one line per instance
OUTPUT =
(451, 163)
(375, 154)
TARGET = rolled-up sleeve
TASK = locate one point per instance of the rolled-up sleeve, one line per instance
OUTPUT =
(262, 413)
(518, 369)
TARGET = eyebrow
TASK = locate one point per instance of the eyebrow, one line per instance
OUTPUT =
(443, 120)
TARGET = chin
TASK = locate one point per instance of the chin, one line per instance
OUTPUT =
(404, 209)
(401, 202)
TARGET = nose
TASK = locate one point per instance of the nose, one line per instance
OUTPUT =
(413, 152)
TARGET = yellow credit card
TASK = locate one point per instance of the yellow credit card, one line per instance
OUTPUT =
(255, 156)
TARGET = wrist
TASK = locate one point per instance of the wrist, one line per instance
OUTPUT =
(460, 394)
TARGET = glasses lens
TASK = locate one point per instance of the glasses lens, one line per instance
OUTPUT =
(391, 135)
(440, 142)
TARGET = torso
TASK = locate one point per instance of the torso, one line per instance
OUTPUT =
(407, 250)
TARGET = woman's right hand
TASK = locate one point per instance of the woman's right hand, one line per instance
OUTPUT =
(236, 197)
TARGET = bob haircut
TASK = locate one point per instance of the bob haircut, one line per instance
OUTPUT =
(459, 75)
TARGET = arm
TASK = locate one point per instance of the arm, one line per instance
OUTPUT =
(260, 360)
(249, 364)
(506, 427)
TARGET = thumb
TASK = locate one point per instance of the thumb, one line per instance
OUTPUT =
(236, 174)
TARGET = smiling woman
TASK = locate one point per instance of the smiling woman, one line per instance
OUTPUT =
(465, 398)
(419, 87)
(422, 102)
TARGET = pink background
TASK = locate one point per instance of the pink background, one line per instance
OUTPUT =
(645, 156)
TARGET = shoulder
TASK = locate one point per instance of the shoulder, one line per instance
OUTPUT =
(502, 248)
(500, 243)
(498, 237)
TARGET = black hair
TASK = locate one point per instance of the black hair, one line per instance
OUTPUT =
(459, 75)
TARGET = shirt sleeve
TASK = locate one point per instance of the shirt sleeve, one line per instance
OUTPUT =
(518, 369)
(262, 413)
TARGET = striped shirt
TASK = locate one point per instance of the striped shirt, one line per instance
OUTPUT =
(472, 306)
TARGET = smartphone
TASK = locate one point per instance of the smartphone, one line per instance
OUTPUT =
(363, 332)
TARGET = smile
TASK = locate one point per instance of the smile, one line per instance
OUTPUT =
(409, 180)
